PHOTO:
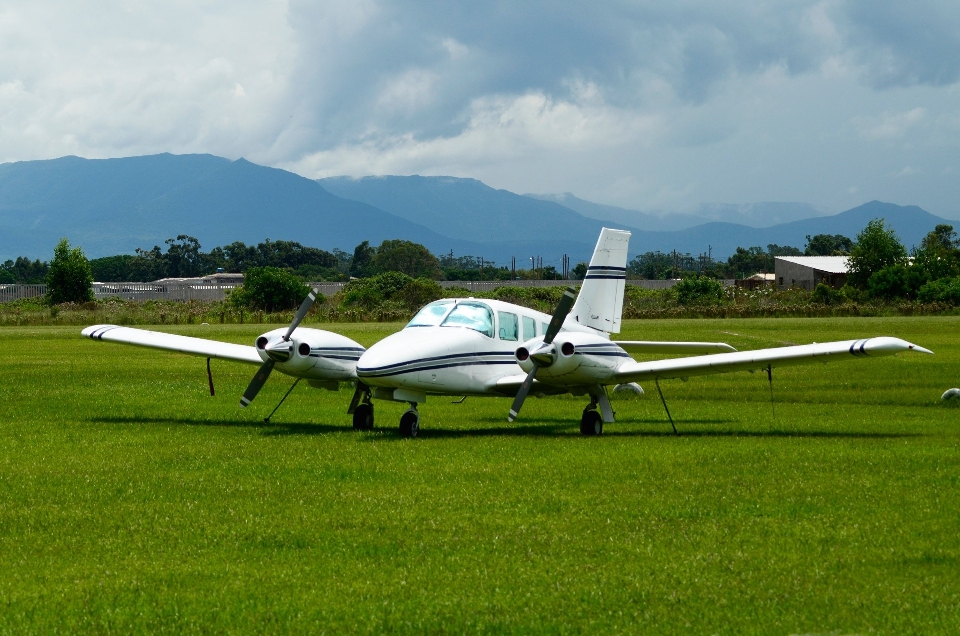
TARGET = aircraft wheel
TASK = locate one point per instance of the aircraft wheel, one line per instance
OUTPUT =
(363, 417)
(410, 423)
(591, 423)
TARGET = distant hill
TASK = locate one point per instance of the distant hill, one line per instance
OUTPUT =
(112, 206)
(910, 223)
(634, 218)
(763, 214)
(468, 209)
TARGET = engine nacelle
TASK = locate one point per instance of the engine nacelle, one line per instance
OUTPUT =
(313, 354)
(572, 358)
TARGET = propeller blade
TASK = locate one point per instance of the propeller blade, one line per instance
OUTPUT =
(559, 314)
(257, 383)
(522, 394)
(304, 308)
(556, 322)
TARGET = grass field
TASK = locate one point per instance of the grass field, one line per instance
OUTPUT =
(132, 501)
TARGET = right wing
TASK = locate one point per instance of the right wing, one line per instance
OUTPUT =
(172, 342)
(763, 358)
(650, 346)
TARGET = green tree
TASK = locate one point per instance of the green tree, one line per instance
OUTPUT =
(877, 247)
(406, 257)
(828, 245)
(270, 289)
(361, 265)
(114, 269)
(24, 271)
(69, 278)
(747, 262)
(939, 256)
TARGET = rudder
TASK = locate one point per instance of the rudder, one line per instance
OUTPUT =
(600, 301)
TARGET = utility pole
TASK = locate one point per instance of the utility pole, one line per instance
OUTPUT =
(513, 268)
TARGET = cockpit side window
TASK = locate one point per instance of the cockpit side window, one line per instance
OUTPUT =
(431, 315)
(509, 326)
(476, 316)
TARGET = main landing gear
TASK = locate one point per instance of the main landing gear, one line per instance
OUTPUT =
(363, 417)
(361, 408)
(410, 421)
(591, 422)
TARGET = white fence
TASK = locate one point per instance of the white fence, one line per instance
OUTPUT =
(185, 291)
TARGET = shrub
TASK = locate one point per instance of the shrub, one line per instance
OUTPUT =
(69, 278)
(824, 294)
(368, 293)
(895, 281)
(944, 290)
(270, 289)
(418, 293)
(699, 290)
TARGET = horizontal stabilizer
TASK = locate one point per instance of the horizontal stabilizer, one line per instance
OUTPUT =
(173, 342)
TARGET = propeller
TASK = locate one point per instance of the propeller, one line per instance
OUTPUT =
(260, 378)
(543, 354)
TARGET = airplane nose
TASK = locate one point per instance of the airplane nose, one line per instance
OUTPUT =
(279, 350)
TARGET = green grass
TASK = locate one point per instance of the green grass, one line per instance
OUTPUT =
(132, 501)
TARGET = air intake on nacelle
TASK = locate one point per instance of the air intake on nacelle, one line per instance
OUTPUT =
(600, 301)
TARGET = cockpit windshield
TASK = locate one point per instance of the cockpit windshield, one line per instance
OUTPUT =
(476, 316)
(431, 315)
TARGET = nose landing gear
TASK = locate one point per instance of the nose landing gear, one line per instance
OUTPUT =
(410, 422)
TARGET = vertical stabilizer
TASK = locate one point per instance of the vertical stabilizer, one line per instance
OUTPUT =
(600, 301)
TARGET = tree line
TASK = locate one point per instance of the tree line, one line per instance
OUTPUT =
(880, 266)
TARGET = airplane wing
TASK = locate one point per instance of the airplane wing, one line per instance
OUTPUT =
(172, 342)
(648, 346)
(762, 358)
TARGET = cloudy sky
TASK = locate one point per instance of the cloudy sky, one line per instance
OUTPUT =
(646, 105)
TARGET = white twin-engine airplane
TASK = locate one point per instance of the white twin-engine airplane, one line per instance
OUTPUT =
(473, 347)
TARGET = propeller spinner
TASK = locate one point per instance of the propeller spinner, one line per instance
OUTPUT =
(545, 353)
(277, 351)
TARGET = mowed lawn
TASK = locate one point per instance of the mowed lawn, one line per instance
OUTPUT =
(132, 501)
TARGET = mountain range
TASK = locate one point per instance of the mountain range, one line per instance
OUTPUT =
(112, 206)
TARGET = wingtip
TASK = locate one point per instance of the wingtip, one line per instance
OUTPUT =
(919, 349)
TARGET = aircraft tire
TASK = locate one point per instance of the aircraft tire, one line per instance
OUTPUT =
(363, 417)
(410, 424)
(591, 423)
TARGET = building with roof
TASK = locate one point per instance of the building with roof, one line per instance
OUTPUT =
(806, 271)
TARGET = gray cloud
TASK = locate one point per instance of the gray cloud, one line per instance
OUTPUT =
(643, 104)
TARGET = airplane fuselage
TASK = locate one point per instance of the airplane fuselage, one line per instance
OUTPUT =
(472, 344)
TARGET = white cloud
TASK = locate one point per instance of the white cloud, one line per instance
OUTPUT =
(889, 125)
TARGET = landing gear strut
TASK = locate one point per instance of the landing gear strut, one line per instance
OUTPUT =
(410, 422)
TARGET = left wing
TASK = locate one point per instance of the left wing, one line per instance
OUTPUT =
(763, 358)
(173, 342)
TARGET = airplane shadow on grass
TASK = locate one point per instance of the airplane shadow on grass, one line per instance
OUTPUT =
(546, 428)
